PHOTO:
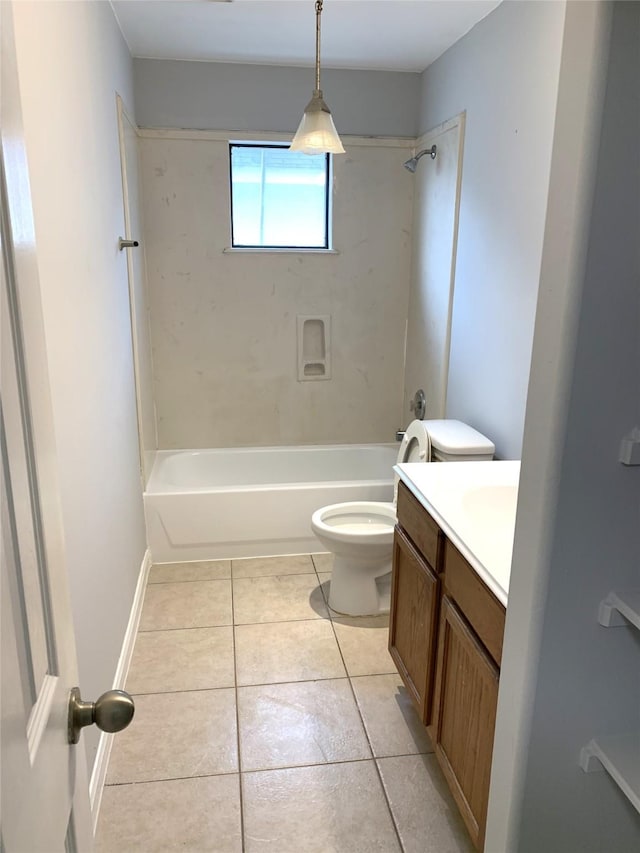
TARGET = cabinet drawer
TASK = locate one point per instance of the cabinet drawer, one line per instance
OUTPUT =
(481, 608)
(419, 527)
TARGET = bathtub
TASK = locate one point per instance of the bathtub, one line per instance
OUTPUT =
(255, 501)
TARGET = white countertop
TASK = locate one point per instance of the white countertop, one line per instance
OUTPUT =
(474, 503)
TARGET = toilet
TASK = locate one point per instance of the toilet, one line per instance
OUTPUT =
(360, 533)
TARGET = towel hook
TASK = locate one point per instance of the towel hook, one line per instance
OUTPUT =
(127, 244)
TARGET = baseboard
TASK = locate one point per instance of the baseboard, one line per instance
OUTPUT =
(99, 773)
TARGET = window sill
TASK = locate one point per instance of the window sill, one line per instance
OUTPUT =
(275, 250)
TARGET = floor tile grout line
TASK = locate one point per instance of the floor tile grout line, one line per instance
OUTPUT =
(301, 681)
(237, 704)
(375, 763)
(313, 764)
(232, 577)
(276, 575)
(263, 684)
(185, 628)
(315, 568)
(234, 624)
(331, 617)
(188, 580)
(282, 621)
(314, 680)
(172, 779)
(135, 693)
(374, 759)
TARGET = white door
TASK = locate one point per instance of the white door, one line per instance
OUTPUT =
(44, 798)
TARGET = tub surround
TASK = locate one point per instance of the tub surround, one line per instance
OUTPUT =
(474, 504)
(224, 325)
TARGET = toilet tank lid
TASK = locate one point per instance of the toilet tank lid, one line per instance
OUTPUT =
(457, 438)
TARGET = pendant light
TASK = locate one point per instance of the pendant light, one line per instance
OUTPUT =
(317, 133)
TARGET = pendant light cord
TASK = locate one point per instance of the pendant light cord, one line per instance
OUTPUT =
(318, 13)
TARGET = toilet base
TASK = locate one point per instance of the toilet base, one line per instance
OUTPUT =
(360, 586)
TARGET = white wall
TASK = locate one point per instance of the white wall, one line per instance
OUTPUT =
(224, 325)
(233, 96)
(565, 679)
(71, 61)
(504, 73)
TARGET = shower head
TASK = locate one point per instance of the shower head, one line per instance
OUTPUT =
(412, 164)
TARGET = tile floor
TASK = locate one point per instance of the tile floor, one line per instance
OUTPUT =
(264, 722)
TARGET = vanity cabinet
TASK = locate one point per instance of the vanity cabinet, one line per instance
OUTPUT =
(415, 594)
(466, 697)
(415, 599)
(445, 636)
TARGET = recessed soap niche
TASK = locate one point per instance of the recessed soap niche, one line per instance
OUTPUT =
(314, 347)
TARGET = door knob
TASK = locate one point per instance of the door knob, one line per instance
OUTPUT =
(111, 712)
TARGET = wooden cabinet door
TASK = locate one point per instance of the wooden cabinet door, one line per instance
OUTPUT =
(413, 622)
(464, 712)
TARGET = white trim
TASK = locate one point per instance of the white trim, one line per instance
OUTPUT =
(423, 140)
(267, 136)
(99, 773)
(275, 250)
(122, 117)
(143, 451)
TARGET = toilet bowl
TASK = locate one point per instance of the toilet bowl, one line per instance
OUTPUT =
(360, 533)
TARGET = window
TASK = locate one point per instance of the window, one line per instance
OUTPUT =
(279, 198)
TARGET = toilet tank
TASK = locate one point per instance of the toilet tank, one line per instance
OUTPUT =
(453, 441)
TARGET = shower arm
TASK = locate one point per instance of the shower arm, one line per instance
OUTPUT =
(430, 151)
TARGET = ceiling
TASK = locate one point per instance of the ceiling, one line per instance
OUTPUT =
(394, 35)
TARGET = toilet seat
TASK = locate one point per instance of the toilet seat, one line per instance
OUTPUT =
(416, 443)
(363, 521)
(372, 522)
(415, 447)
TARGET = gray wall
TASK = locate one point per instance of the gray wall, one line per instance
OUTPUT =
(504, 73)
(71, 61)
(232, 96)
(564, 678)
(589, 676)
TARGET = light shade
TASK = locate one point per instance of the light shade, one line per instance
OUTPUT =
(317, 133)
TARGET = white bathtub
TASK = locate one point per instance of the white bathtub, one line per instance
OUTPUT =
(255, 501)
